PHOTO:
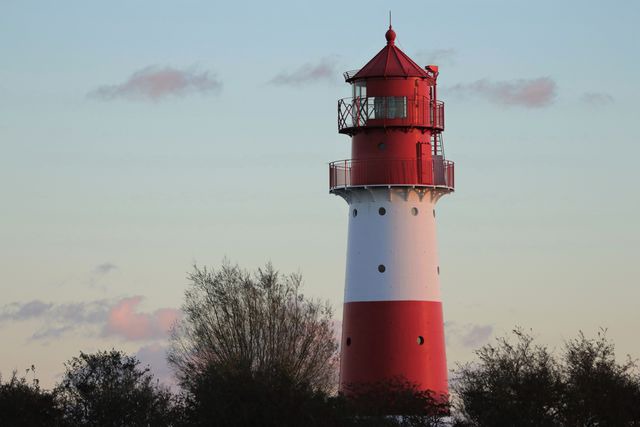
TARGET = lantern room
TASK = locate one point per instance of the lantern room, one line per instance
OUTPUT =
(395, 122)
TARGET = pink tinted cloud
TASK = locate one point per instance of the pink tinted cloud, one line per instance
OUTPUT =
(323, 70)
(154, 83)
(531, 93)
(124, 320)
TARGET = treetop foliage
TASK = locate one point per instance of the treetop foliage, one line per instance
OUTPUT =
(110, 389)
(261, 323)
(24, 403)
(252, 350)
(524, 384)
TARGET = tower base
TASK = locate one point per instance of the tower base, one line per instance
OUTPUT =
(394, 340)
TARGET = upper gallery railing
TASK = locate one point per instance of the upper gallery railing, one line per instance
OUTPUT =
(358, 112)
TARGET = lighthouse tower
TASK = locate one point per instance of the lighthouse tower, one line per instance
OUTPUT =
(392, 320)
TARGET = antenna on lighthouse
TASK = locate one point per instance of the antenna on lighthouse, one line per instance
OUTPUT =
(389, 18)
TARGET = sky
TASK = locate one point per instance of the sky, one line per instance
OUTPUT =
(140, 138)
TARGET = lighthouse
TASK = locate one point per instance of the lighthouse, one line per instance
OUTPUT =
(392, 317)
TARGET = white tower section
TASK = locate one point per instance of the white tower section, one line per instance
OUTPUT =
(392, 249)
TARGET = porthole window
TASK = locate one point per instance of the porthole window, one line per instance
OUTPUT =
(420, 340)
(355, 213)
(382, 146)
(382, 268)
(348, 341)
(414, 211)
(382, 211)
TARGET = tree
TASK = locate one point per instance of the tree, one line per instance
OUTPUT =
(24, 403)
(524, 384)
(252, 346)
(598, 391)
(410, 406)
(510, 385)
(110, 389)
(244, 398)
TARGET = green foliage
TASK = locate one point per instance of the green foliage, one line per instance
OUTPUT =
(524, 384)
(24, 403)
(395, 403)
(110, 389)
(518, 381)
(239, 397)
(598, 391)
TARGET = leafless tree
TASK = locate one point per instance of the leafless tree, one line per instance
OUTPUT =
(259, 323)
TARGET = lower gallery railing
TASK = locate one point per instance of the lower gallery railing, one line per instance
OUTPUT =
(435, 172)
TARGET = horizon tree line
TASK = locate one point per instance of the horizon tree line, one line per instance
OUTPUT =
(251, 349)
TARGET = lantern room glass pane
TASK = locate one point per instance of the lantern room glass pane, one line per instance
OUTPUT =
(397, 107)
(387, 107)
(360, 89)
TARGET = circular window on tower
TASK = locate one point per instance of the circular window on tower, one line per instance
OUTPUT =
(355, 213)
(420, 340)
(382, 268)
(414, 211)
(382, 211)
(382, 146)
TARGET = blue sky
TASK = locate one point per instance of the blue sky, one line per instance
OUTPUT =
(107, 201)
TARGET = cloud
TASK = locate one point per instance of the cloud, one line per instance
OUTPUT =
(26, 311)
(468, 335)
(104, 268)
(57, 319)
(597, 98)
(124, 320)
(91, 312)
(111, 317)
(477, 335)
(532, 93)
(436, 56)
(50, 332)
(155, 356)
(98, 274)
(154, 83)
(324, 70)
(84, 312)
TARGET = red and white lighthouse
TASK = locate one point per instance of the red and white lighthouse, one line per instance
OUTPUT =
(392, 320)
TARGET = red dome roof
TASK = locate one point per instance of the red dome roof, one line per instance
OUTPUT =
(390, 62)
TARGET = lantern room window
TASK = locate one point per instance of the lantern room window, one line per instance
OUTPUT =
(389, 107)
(397, 107)
(360, 89)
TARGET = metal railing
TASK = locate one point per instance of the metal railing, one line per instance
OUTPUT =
(434, 172)
(349, 74)
(358, 112)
